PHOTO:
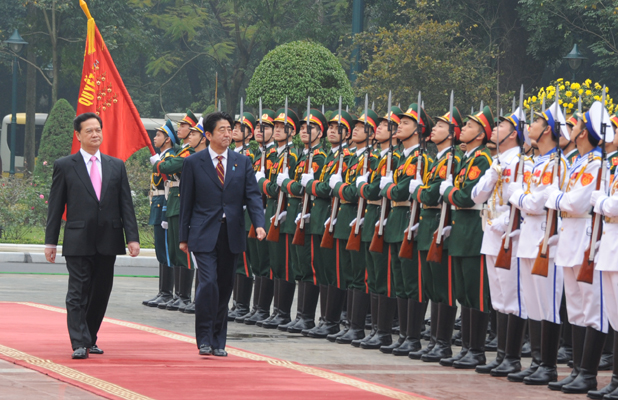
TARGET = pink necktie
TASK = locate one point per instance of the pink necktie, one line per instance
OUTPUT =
(95, 177)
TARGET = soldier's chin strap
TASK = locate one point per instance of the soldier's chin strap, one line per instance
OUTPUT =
(476, 137)
(448, 137)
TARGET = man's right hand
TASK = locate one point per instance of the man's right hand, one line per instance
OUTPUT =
(184, 247)
(50, 255)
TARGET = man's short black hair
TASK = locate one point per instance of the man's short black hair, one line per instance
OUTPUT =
(77, 122)
(210, 122)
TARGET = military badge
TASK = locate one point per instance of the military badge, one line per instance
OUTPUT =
(475, 172)
(546, 178)
(587, 179)
(411, 170)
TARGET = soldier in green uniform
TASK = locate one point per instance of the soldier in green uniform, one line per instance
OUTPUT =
(569, 149)
(466, 238)
(172, 167)
(412, 301)
(258, 251)
(436, 277)
(311, 161)
(165, 139)
(243, 282)
(279, 251)
(325, 258)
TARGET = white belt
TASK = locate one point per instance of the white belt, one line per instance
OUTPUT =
(157, 193)
(401, 204)
(568, 215)
(476, 207)
(611, 220)
(172, 183)
(375, 202)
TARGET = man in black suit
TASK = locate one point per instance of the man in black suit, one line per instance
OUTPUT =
(215, 185)
(95, 190)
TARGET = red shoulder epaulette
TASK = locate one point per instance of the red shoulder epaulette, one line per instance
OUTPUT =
(478, 153)
(346, 152)
(273, 150)
(316, 152)
(615, 161)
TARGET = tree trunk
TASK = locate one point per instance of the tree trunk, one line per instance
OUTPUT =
(29, 137)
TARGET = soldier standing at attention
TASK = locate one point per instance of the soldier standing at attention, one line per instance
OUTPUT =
(165, 139)
(172, 167)
(466, 239)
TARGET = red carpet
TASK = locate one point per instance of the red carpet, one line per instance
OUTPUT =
(142, 362)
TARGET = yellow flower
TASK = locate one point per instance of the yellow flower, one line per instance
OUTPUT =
(534, 99)
(597, 86)
(588, 92)
(560, 102)
(597, 98)
(575, 86)
(606, 89)
(569, 93)
(567, 83)
(581, 91)
(587, 82)
(559, 80)
(561, 87)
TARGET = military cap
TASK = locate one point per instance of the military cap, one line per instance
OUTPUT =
(552, 114)
(485, 118)
(372, 119)
(395, 113)
(168, 129)
(199, 127)
(189, 118)
(268, 116)
(595, 118)
(292, 118)
(572, 120)
(317, 118)
(248, 120)
(457, 121)
(514, 119)
(614, 119)
(346, 119)
(426, 121)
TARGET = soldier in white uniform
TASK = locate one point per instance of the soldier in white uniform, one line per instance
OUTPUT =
(504, 284)
(542, 295)
(585, 307)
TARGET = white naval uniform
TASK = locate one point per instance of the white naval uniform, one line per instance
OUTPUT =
(584, 301)
(504, 285)
(542, 295)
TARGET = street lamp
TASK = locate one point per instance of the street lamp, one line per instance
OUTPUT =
(575, 59)
(16, 44)
(49, 70)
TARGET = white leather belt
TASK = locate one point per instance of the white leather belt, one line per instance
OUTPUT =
(375, 202)
(476, 207)
(172, 183)
(154, 193)
(564, 214)
(611, 220)
(401, 204)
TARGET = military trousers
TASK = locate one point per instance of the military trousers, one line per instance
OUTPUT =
(379, 272)
(177, 258)
(438, 278)
(160, 244)
(324, 262)
(407, 275)
(281, 259)
(471, 286)
(303, 260)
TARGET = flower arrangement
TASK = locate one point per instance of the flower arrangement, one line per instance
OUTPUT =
(570, 92)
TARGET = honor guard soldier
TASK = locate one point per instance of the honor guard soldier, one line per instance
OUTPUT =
(607, 205)
(437, 276)
(172, 167)
(585, 305)
(165, 139)
(568, 146)
(312, 128)
(259, 250)
(412, 301)
(243, 283)
(507, 169)
(466, 239)
(285, 128)
(325, 258)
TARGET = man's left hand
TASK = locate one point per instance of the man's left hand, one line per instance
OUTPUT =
(133, 249)
(185, 247)
(261, 233)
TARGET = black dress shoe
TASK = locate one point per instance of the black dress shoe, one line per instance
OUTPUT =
(145, 302)
(219, 353)
(205, 350)
(190, 309)
(163, 299)
(95, 350)
(163, 306)
(80, 353)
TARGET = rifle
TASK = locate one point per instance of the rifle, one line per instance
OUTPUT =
(541, 264)
(377, 241)
(328, 239)
(437, 244)
(275, 227)
(586, 272)
(354, 240)
(252, 233)
(299, 234)
(506, 251)
(407, 246)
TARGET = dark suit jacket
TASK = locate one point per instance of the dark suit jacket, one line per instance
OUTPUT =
(203, 201)
(92, 226)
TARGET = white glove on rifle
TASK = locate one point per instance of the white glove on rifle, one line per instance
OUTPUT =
(447, 183)
(154, 159)
(414, 229)
(595, 197)
(282, 216)
(362, 179)
(596, 246)
(354, 221)
(383, 223)
(164, 224)
(282, 176)
(328, 220)
(446, 232)
(259, 175)
(492, 173)
(552, 241)
(305, 178)
(307, 216)
(513, 235)
(415, 183)
(334, 180)
(386, 180)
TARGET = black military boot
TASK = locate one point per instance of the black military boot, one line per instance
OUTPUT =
(345, 323)
(145, 302)
(384, 335)
(613, 384)
(374, 304)
(185, 288)
(418, 353)
(188, 285)
(511, 362)
(310, 303)
(491, 342)
(586, 379)
(334, 304)
(262, 312)
(578, 337)
(190, 309)
(276, 301)
(244, 287)
(550, 340)
(176, 289)
(534, 335)
(465, 338)
(286, 297)
(256, 298)
(232, 311)
(607, 359)
(444, 333)
(166, 286)
(478, 332)
(501, 324)
(322, 319)
(357, 318)
(300, 306)
(414, 329)
(402, 310)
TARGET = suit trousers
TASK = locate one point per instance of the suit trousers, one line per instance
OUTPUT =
(90, 284)
(216, 271)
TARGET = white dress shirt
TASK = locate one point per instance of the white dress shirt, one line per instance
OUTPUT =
(87, 156)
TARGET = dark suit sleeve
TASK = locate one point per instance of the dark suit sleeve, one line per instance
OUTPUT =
(187, 198)
(127, 212)
(253, 198)
(56, 204)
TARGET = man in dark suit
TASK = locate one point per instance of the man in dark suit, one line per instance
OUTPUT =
(95, 191)
(215, 186)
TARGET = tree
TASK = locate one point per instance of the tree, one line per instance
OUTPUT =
(56, 140)
(297, 70)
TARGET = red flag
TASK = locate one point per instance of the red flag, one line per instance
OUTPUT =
(103, 92)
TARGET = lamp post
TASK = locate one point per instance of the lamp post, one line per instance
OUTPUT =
(575, 59)
(16, 43)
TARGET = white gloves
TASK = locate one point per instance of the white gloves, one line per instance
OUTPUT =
(334, 180)
(554, 192)
(596, 246)
(492, 173)
(154, 159)
(446, 232)
(415, 183)
(384, 223)
(513, 187)
(307, 217)
(305, 178)
(362, 179)
(164, 224)
(354, 221)
(498, 225)
(328, 220)
(514, 197)
(282, 216)
(259, 175)
(447, 183)
(513, 235)
(413, 229)
(553, 241)
(595, 197)
(282, 176)
(386, 180)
